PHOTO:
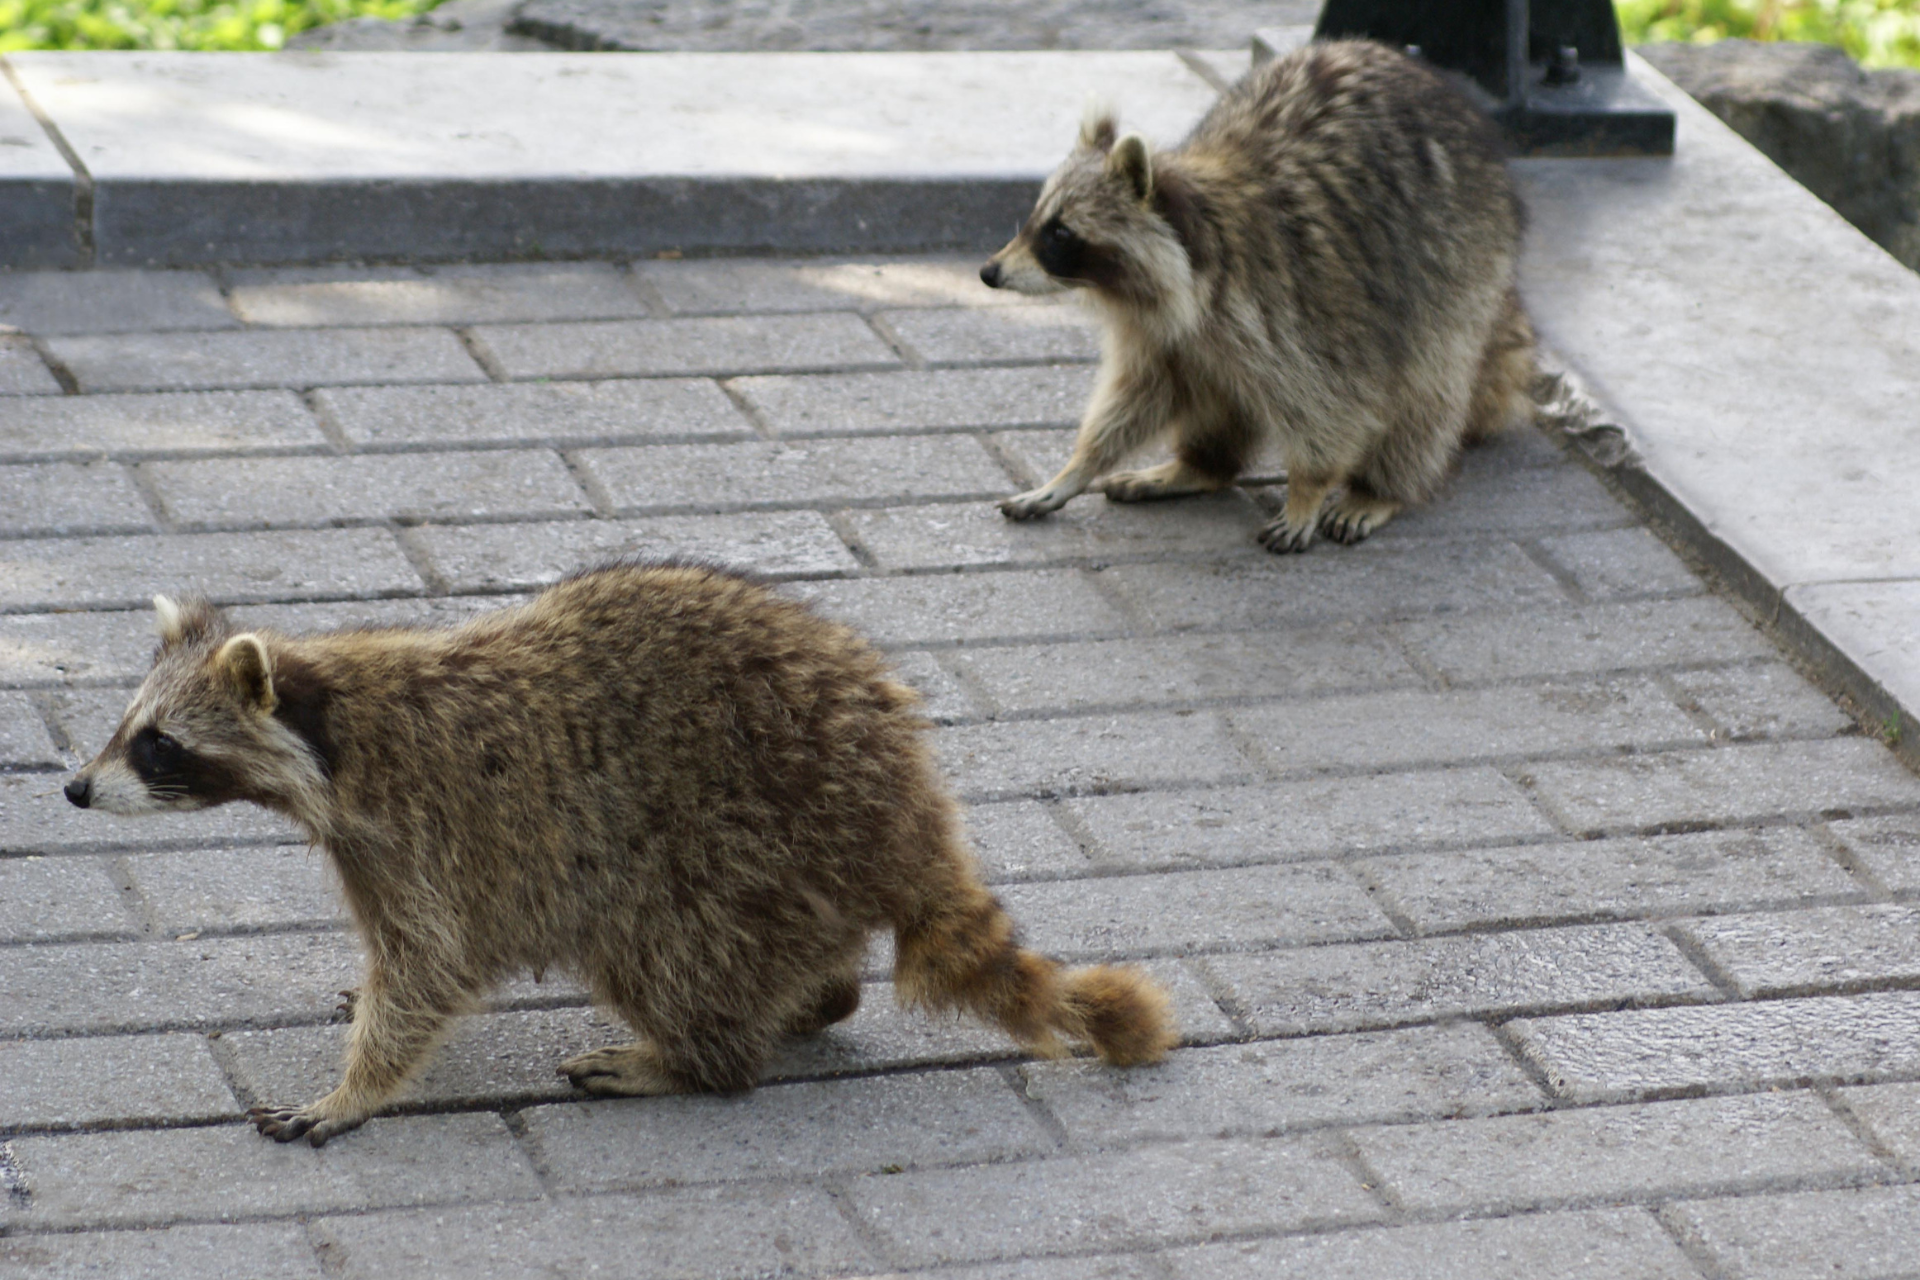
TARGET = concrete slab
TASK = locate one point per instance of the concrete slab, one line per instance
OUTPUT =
(304, 157)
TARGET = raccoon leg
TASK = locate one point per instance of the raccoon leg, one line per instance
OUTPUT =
(395, 1027)
(622, 1071)
(836, 1002)
(1356, 513)
(1127, 411)
(1175, 479)
(1293, 528)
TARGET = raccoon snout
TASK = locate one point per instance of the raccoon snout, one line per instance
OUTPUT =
(79, 790)
(990, 274)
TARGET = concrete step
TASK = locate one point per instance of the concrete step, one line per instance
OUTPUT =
(175, 159)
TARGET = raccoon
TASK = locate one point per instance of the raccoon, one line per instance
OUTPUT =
(696, 795)
(1326, 263)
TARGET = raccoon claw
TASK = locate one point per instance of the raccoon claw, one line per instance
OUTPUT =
(1281, 536)
(287, 1124)
(349, 999)
(619, 1071)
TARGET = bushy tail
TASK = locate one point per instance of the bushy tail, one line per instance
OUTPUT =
(1501, 388)
(961, 955)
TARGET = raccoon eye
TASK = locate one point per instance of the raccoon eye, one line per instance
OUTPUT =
(166, 750)
(1057, 232)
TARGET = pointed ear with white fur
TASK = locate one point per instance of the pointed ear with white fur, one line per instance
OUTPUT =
(1131, 162)
(180, 621)
(1098, 126)
(244, 664)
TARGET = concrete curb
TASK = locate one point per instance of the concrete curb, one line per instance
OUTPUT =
(191, 159)
(1755, 360)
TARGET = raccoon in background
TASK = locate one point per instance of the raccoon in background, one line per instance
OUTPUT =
(1326, 263)
(699, 797)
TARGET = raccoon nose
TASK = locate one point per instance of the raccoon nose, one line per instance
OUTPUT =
(80, 789)
(990, 275)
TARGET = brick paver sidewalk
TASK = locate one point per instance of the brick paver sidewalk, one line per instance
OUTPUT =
(1526, 913)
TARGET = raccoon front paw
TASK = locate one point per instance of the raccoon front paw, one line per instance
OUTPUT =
(285, 1124)
(349, 999)
(1282, 535)
(620, 1071)
(1034, 502)
(1352, 518)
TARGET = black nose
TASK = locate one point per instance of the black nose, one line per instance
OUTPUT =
(80, 789)
(990, 275)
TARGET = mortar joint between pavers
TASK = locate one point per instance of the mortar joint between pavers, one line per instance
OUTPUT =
(1696, 955)
(1221, 992)
(1436, 680)
(323, 420)
(743, 404)
(1501, 1028)
(419, 557)
(142, 481)
(841, 522)
(325, 1256)
(1690, 1242)
(1014, 1075)
(589, 485)
(1381, 897)
(1544, 561)
(235, 1076)
(986, 706)
(120, 871)
(1857, 870)
(1016, 470)
(83, 193)
(909, 356)
(838, 1190)
(1346, 1151)
(477, 350)
(644, 289)
(62, 374)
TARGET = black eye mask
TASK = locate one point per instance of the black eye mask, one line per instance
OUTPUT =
(1058, 250)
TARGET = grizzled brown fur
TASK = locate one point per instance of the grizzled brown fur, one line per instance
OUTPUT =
(696, 795)
(1327, 263)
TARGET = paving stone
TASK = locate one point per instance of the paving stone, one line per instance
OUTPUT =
(1889, 847)
(519, 557)
(1683, 788)
(37, 650)
(1107, 673)
(1596, 637)
(551, 413)
(1892, 1113)
(232, 1172)
(238, 890)
(945, 699)
(1668, 875)
(490, 1060)
(24, 743)
(315, 296)
(1421, 1073)
(1769, 700)
(1379, 729)
(963, 609)
(1489, 495)
(709, 345)
(1021, 841)
(264, 358)
(699, 1233)
(180, 424)
(1621, 563)
(23, 372)
(51, 499)
(726, 476)
(997, 335)
(1237, 909)
(1593, 1245)
(36, 818)
(720, 285)
(249, 1251)
(258, 493)
(843, 403)
(1294, 821)
(125, 572)
(908, 1121)
(1724, 1048)
(1095, 753)
(46, 898)
(1377, 984)
(1122, 1266)
(92, 1082)
(110, 301)
(1368, 583)
(1699, 1146)
(973, 534)
(92, 987)
(87, 718)
(348, 615)
(1863, 1233)
(1151, 1195)
(1773, 952)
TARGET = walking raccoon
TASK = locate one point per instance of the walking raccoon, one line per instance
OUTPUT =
(698, 796)
(1327, 262)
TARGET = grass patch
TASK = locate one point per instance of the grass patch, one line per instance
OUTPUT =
(245, 25)
(1876, 33)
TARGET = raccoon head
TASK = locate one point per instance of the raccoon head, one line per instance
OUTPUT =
(1097, 225)
(205, 727)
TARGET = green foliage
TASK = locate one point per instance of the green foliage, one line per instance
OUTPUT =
(179, 24)
(1878, 33)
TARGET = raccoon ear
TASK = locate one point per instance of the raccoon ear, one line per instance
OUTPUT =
(181, 621)
(1098, 126)
(244, 664)
(1131, 163)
